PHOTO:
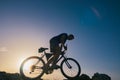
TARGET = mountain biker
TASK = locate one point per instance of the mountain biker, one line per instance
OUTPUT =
(56, 45)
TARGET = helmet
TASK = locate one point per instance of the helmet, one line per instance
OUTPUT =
(70, 37)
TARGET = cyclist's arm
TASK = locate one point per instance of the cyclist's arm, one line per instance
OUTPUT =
(63, 40)
(63, 45)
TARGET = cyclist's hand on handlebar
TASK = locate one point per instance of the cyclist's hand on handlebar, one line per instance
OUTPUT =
(65, 47)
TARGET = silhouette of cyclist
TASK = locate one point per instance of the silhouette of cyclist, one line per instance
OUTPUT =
(56, 45)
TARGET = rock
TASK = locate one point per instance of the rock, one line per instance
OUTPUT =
(98, 76)
(84, 77)
(9, 76)
(3, 76)
(16, 76)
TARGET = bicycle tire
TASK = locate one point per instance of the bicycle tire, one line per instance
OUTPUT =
(74, 63)
(25, 77)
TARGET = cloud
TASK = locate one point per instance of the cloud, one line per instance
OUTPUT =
(3, 49)
(96, 12)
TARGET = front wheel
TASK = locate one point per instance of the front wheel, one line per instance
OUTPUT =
(70, 68)
(32, 68)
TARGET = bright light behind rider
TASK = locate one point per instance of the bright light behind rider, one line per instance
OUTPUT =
(27, 65)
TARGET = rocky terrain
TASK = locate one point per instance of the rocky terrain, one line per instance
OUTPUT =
(10, 76)
(16, 76)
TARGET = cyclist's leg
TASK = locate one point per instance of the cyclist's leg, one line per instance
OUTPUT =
(56, 55)
(50, 61)
(52, 49)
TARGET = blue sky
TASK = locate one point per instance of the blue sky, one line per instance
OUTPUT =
(27, 25)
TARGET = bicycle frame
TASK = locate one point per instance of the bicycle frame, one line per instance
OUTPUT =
(62, 55)
(65, 63)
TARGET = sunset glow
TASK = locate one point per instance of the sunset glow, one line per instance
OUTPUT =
(27, 25)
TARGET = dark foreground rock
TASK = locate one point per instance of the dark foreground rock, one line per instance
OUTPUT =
(84, 77)
(98, 76)
(16, 76)
(9, 76)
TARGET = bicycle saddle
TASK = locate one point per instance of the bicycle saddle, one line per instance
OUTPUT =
(42, 49)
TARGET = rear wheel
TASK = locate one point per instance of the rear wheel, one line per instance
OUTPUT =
(70, 68)
(32, 68)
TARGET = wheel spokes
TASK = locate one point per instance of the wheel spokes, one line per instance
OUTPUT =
(32, 68)
(70, 68)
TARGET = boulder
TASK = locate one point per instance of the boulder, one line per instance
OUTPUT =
(84, 77)
(98, 76)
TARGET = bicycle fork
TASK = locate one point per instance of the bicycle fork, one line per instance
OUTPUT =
(67, 63)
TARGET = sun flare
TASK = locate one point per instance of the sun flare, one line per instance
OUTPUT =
(27, 66)
(20, 61)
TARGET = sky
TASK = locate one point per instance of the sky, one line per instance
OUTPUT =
(26, 25)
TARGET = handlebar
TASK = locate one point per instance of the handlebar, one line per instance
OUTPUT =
(65, 47)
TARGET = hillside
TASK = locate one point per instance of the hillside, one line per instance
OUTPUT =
(16, 76)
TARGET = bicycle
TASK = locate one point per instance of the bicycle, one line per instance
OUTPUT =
(69, 67)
